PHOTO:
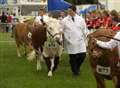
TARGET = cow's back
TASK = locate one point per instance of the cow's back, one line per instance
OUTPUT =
(39, 36)
(21, 33)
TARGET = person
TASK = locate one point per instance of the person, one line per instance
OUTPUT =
(4, 21)
(115, 24)
(50, 14)
(41, 17)
(115, 42)
(15, 20)
(9, 22)
(107, 20)
(115, 20)
(4, 18)
(75, 31)
(61, 15)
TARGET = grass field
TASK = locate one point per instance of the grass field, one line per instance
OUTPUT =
(19, 73)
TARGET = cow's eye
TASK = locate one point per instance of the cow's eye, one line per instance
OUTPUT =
(91, 50)
(49, 45)
(50, 28)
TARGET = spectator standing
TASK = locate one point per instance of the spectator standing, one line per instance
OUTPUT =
(4, 21)
(107, 21)
(61, 15)
(9, 21)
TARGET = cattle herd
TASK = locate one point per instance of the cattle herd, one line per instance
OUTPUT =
(41, 42)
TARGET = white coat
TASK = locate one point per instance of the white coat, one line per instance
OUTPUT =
(111, 44)
(37, 19)
(74, 34)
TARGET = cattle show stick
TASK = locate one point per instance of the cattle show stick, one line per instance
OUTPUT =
(110, 37)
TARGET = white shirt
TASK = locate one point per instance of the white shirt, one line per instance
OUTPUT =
(38, 19)
(74, 34)
(111, 44)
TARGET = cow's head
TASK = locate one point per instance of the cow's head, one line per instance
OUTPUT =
(53, 27)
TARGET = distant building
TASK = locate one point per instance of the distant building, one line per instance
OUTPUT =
(111, 4)
(22, 7)
(114, 4)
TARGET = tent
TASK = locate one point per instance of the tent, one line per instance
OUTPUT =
(54, 5)
(3, 1)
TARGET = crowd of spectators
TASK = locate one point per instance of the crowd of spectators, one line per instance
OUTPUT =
(7, 21)
(94, 20)
(103, 19)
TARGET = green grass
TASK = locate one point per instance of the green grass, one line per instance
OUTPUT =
(19, 73)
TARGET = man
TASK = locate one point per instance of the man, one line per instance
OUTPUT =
(3, 18)
(75, 32)
(41, 18)
(61, 15)
(4, 21)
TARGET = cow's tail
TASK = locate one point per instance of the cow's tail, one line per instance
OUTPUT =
(31, 56)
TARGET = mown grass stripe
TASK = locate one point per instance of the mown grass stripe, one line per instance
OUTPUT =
(6, 41)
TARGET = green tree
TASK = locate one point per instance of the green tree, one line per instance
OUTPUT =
(70, 1)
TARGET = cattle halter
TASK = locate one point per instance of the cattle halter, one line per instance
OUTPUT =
(53, 36)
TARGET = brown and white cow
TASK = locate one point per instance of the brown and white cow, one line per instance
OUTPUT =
(105, 63)
(21, 32)
(45, 44)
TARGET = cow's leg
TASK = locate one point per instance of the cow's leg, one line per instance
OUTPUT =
(51, 67)
(100, 81)
(38, 63)
(25, 50)
(56, 62)
(39, 60)
(117, 81)
(18, 50)
(47, 61)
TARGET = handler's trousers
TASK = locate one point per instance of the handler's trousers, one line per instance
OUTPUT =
(75, 62)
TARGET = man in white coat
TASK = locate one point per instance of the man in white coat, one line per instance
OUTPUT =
(41, 18)
(75, 32)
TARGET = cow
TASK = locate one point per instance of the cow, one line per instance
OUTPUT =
(105, 63)
(45, 40)
(22, 39)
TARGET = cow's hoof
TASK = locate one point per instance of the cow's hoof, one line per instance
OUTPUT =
(42, 60)
(19, 55)
(31, 56)
(39, 68)
(50, 74)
